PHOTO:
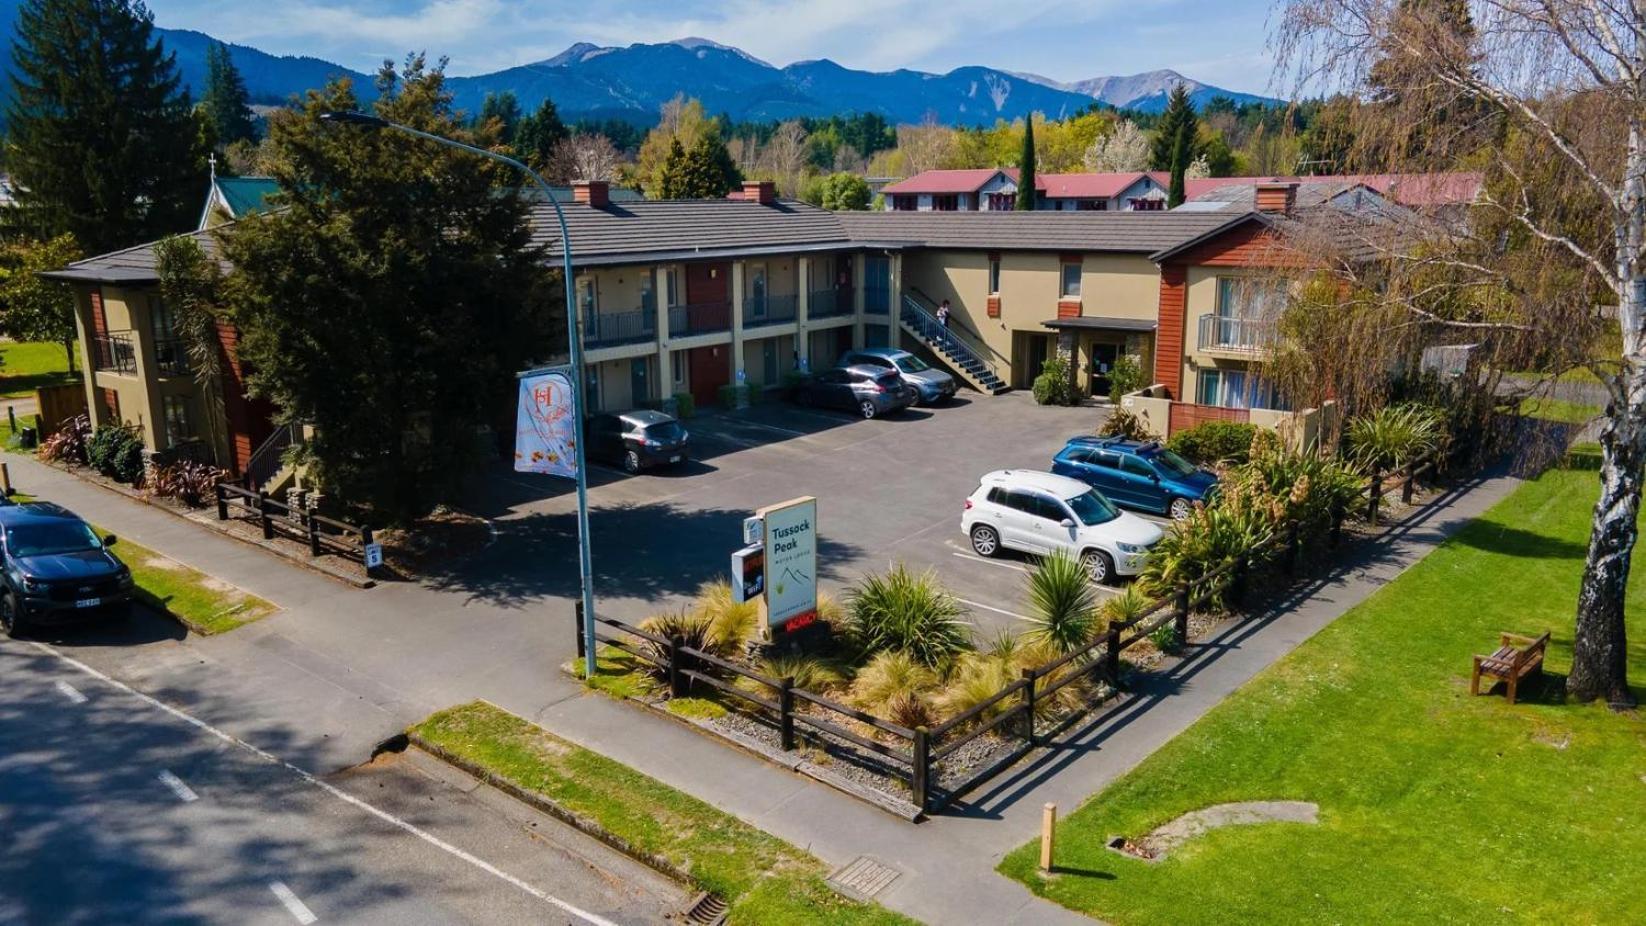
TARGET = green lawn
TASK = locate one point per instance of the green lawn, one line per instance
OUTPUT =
(27, 365)
(1435, 806)
(205, 604)
(766, 880)
(1559, 410)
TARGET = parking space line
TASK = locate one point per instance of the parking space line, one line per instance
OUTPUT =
(184, 792)
(70, 692)
(288, 899)
(989, 607)
(992, 562)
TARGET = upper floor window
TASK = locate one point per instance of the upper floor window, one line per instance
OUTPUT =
(1250, 299)
(994, 274)
(1071, 280)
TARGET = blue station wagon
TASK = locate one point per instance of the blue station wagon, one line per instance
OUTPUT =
(1136, 474)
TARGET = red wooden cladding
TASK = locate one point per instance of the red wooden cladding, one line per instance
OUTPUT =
(1168, 353)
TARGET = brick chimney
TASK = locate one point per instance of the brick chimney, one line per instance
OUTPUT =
(763, 192)
(596, 193)
(1277, 198)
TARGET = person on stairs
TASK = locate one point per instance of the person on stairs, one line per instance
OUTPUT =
(943, 324)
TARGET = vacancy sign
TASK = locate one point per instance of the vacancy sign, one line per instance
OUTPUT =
(791, 563)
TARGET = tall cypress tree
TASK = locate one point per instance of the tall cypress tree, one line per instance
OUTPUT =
(505, 108)
(1176, 193)
(225, 99)
(1177, 119)
(1025, 168)
(539, 134)
(101, 142)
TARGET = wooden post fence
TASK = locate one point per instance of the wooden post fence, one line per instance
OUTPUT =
(263, 515)
(1028, 705)
(920, 774)
(577, 618)
(785, 712)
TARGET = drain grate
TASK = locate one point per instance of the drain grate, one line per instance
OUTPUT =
(706, 910)
(863, 878)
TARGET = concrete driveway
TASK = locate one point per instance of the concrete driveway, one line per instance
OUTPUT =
(888, 490)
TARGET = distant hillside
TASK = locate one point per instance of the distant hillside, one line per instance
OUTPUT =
(632, 83)
(1147, 92)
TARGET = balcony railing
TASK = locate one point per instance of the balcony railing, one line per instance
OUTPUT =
(609, 329)
(770, 309)
(171, 357)
(115, 352)
(1219, 332)
(706, 318)
(829, 303)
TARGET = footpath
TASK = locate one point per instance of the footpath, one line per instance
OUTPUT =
(340, 669)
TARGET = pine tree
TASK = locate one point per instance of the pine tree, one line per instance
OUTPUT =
(1025, 168)
(505, 108)
(1177, 119)
(225, 99)
(538, 135)
(101, 142)
(392, 304)
(671, 178)
(1180, 167)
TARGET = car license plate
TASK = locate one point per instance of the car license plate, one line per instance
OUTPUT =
(675, 458)
(88, 602)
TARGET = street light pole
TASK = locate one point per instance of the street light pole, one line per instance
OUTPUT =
(585, 568)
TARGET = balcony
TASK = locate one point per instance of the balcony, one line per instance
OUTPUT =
(829, 303)
(1236, 335)
(770, 309)
(707, 318)
(115, 352)
(171, 357)
(611, 329)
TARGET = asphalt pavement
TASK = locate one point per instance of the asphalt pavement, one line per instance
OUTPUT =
(116, 808)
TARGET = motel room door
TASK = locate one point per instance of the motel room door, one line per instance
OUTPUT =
(711, 368)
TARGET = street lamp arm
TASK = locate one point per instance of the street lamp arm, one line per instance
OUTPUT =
(585, 566)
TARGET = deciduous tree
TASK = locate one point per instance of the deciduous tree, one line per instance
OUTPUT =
(33, 308)
(1124, 149)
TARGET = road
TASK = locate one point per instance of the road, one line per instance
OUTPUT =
(115, 808)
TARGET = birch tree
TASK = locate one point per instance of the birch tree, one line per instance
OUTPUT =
(1547, 99)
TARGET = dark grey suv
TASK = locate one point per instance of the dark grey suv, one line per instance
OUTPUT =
(56, 569)
(866, 390)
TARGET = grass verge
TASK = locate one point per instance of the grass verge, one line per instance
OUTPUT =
(27, 365)
(204, 604)
(765, 879)
(1559, 410)
(1435, 806)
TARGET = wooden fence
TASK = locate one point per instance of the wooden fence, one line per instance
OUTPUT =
(323, 535)
(916, 756)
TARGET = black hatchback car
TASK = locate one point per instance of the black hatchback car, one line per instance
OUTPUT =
(57, 570)
(866, 390)
(637, 440)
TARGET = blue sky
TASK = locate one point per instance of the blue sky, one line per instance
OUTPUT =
(1222, 43)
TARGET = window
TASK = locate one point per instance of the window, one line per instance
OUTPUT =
(1019, 500)
(1237, 389)
(677, 367)
(1071, 280)
(586, 298)
(994, 275)
(756, 304)
(1092, 508)
(1050, 508)
(1254, 300)
(1002, 202)
(178, 426)
(997, 496)
(1094, 205)
(648, 291)
(1135, 467)
(945, 202)
(1141, 204)
(671, 279)
(1173, 465)
(903, 202)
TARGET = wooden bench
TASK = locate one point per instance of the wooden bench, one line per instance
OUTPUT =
(1517, 656)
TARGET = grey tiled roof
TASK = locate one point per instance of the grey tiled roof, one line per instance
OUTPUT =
(1127, 232)
(131, 265)
(652, 230)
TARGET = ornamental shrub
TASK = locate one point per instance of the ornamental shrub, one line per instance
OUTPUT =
(1052, 386)
(116, 452)
(1215, 442)
(1126, 377)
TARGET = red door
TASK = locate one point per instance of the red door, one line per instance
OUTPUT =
(707, 284)
(711, 368)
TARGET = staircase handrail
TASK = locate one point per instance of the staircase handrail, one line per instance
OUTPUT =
(269, 456)
(930, 329)
(973, 339)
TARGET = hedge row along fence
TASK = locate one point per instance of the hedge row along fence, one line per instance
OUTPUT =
(918, 754)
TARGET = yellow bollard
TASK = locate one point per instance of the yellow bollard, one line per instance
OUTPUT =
(1048, 825)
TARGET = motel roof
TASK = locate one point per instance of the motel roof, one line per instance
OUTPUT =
(1123, 232)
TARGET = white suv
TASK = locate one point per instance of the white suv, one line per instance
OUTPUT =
(1040, 512)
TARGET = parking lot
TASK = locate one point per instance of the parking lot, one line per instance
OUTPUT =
(888, 490)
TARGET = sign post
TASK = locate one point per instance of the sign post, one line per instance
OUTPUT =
(790, 541)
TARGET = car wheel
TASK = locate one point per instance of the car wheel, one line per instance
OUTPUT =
(10, 624)
(868, 409)
(985, 541)
(631, 462)
(1099, 565)
(1180, 508)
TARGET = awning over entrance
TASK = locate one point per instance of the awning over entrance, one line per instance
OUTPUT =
(1102, 322)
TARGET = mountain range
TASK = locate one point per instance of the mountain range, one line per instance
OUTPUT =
(632, 83)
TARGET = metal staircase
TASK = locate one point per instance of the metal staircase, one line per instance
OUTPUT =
(951, 346)
(268, 469)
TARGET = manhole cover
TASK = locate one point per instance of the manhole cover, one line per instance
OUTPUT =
(863, 878)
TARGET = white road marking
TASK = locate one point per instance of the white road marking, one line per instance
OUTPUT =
(991, 562)
(184, 792)
(990, 607)
(71, 692)
(772, 427)
(338, 793)
(293, 905)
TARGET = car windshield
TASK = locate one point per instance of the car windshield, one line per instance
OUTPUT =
(912, 364)
(664, 431)
(52, 538)
(1173, 465)
(1092, 508)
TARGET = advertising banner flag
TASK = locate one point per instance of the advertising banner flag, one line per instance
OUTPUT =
(546, 427)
